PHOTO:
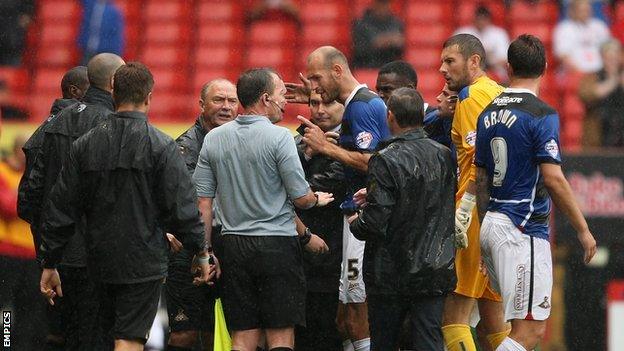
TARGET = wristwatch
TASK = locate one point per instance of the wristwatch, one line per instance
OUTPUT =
(306, 237)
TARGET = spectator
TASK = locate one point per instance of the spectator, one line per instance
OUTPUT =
(9, 111)
(18, 268)
(273, 10)
(495, 40)
(378, 37)
(603, 93)
(102, 29)
(15, 17)
(577, 39)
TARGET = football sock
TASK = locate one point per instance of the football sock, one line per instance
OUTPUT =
(497, 338)
(457, 337)
(510, 344)
(347, 345)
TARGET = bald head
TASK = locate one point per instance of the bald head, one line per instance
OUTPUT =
(329, 56)
(220, 82)
(75, 83)
(101, 68)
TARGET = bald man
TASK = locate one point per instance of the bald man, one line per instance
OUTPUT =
(79, 300)
(73, 87)
(191, 308)
(363, 127)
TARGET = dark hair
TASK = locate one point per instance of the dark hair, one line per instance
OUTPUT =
(483, 11)
(253, 83)
(401, 69)
(76, 76)
(132, 83)
(527, 57)
(468, 45)
(407, 106)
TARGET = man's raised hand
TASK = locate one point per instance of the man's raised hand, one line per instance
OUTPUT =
(298, 93)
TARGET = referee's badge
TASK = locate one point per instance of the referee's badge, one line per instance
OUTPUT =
(552, 148)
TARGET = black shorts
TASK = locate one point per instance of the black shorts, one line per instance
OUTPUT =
(127, 311)
(189, 307)
(263, 284)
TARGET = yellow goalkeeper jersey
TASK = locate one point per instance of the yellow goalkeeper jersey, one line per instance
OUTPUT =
(471, 101)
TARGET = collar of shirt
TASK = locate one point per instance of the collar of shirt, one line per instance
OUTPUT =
(355, 90)
(520, 91)
(132, 114)
(95, 95)
(412, 134)
(249, 119)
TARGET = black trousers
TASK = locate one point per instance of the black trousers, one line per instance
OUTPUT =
(387, 315)
(320, 332)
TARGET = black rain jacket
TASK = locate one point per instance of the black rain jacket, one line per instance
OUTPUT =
(190, 143)
(323, 174)
(31, 148)
(409, 221)
(129, 182)
(59, 134)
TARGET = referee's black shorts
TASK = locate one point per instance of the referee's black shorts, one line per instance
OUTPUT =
(263, 283)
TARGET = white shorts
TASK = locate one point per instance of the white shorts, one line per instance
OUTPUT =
(351, 281)
(519, 266)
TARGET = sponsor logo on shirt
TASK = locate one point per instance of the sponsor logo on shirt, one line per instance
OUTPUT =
(552, 148)
(505, 100)
(471, 138)
(363, 140)
(545, 305)
(81, 107)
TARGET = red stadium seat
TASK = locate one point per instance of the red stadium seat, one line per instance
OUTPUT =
(172, 32)
(269, 56)
(269, 32)
(320, 34)
(170, 106)
(430, 81)
(58, 33)
(56, 56)
(214, 57)
(366, 76)
(540, 30)
(325, 12)
(39, 104)
(58, 11)
(166, 79)
(16, 78)
(432, 13)
(219, 33)
(164, 56)
(48, 81)
(523, 11)
(425, 34)
(423, 58)
(166, 10)
(218, 11)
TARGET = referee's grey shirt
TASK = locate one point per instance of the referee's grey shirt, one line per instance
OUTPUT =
(253, 168)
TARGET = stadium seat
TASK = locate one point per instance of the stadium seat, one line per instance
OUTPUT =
(166, 11)
(214, 56)
(170, 106)
(173, 33)
(164, 56)
(539, 29)
(218, 11)
(16, 78)
(56, 56)
(423, 58)
(58, 33)
(418, 35)
(48, 80)
(430, 81)
(270, 32)
(543, 11)
(270, 56)
(325, 12)
(319, 34)
(166, 79)
(59, 11)
(366, 76)
(219, 33)
(432, 13)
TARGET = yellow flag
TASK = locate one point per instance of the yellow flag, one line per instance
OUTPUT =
(222, 340)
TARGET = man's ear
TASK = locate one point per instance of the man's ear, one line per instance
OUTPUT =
(475, 61)
(201, 105)
(337, 70)
(148, 101)
(509, 70)
(112, 82)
